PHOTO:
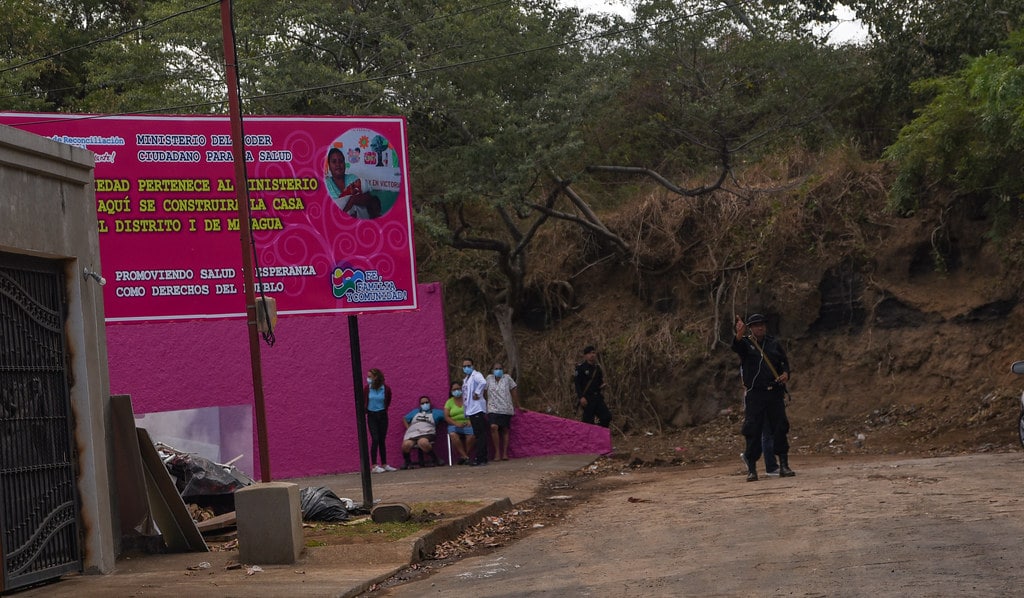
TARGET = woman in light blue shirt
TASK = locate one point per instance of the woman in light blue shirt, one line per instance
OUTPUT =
(378, 398)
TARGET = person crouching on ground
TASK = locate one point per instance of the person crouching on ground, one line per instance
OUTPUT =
(765, 370)
(420, 432)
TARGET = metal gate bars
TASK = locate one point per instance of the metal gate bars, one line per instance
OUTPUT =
(39, 522)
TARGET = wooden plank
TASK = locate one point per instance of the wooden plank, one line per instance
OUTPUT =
(219, 522)
(179, 531)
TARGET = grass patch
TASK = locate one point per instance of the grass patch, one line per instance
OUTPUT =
(363, 530)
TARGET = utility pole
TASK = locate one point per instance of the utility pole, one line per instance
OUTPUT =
(245, 227)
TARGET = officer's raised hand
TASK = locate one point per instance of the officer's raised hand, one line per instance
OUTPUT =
(741, 328)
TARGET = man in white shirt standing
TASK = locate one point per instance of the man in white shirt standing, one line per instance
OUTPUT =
(473, 387)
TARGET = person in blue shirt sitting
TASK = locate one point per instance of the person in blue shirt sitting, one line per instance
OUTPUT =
(421, 432)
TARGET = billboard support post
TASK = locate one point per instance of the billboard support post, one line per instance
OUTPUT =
(245, 228)
(357, 392)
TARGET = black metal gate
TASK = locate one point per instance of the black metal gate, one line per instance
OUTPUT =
(39, 529)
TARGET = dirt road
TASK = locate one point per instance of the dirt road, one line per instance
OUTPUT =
(925, 527)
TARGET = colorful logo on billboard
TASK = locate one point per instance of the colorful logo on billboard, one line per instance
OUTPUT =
(364, 286)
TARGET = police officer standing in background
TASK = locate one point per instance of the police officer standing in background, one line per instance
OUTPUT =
(765, 369)
(589, 381)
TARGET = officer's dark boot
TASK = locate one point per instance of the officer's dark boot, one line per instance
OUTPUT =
(751, 468)
(784, 470)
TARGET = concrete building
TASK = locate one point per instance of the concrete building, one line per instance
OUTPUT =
(54, 461)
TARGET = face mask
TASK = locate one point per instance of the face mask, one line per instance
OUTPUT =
(425, 407)
(456, 393)
(498, 373)
(369, 380)
(468, 369)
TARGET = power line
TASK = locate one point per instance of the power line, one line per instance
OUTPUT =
(578, 40)
(439, 68)
(382, 29)
(178, 14)
(109, 37)
(103, 84)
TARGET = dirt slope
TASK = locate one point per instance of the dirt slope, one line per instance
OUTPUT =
(900, 329)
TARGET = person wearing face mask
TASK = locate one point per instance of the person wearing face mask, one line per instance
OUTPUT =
(421, 432)
(460, 431)
(474, 387)
(377, 399)
(502, 403)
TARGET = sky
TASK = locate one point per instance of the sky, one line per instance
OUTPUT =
(605, 6)
(847, 29)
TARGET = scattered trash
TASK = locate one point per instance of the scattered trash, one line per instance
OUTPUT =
(196, 476)
(321, 504)
(253, 570)
(634, 499)
(680, 449)
(232, 566)
(560, 497)
(200, 514)
(537, 525)
(202, 565)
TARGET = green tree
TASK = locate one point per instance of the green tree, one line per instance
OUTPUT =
(705, 96)
(48, 47)
(969, 137)
(923, 39)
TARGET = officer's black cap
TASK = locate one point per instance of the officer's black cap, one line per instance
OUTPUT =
(756, 319)
(589, 349)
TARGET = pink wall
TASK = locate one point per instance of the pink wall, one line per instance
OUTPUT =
(307, 381)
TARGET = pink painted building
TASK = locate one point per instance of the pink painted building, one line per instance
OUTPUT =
(204, 365)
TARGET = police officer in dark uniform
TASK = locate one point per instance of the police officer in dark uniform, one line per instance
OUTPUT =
(589, 381)
(765, 370)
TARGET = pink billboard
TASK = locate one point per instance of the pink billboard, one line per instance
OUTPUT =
(329, 202)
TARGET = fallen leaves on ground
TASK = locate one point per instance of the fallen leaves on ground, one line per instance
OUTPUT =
(489, 533)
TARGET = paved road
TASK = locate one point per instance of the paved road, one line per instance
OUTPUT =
(923, 527)
(329, 571)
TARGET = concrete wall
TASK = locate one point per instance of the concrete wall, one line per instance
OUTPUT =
(48, 209)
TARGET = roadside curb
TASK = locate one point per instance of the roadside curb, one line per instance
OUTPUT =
(423, 543)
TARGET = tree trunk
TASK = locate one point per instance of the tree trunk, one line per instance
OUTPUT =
(503, 315)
